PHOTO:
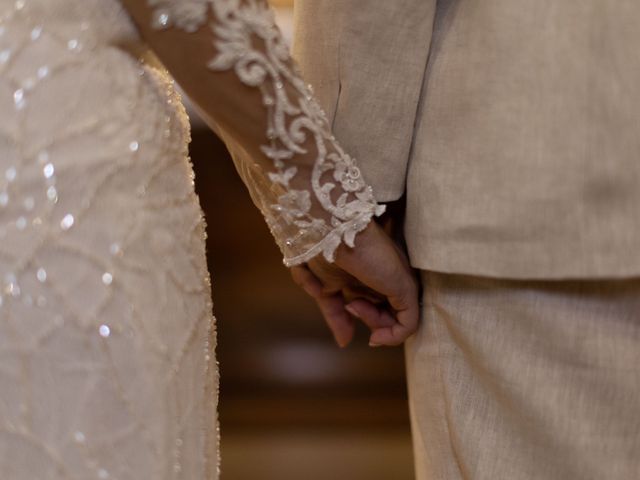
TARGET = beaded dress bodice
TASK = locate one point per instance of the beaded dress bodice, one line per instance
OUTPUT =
(105, 315)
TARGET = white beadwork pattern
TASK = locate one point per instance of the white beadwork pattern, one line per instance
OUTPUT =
(330, 203)
(106, 334)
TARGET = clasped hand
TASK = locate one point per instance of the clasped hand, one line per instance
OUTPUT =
(372, 282)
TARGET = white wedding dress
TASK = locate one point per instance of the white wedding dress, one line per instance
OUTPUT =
(107, 368)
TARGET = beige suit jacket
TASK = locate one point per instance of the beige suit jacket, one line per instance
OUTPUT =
(513, 126)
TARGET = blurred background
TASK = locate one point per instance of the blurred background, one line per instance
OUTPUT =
(293, 405)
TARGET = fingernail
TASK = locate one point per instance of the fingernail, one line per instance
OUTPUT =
(352, 311)
(374, 345)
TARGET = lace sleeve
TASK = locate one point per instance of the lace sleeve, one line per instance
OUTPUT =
(310, 191)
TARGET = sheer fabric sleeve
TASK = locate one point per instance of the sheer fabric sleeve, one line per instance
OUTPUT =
(230, 57)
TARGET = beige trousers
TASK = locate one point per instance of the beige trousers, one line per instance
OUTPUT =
(513, 380)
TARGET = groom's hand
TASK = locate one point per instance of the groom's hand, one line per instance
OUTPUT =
(372, 282)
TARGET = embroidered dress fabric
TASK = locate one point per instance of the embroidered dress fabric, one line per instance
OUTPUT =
(310, 191)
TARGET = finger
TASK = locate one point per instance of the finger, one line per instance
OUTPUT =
(390, 336)
(333, 279)
(405, 304)
(361, 292)
(340, 323)
(331, 306)
(371, 315)
(307, 281)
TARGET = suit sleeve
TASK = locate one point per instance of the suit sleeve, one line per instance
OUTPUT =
(367, 60)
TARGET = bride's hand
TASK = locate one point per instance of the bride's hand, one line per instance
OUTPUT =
(372, 282)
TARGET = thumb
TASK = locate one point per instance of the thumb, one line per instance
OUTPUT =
(406, 309)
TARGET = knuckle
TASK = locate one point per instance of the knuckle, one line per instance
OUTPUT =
(296, 276)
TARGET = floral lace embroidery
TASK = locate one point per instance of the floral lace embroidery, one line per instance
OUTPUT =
(336, 183)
